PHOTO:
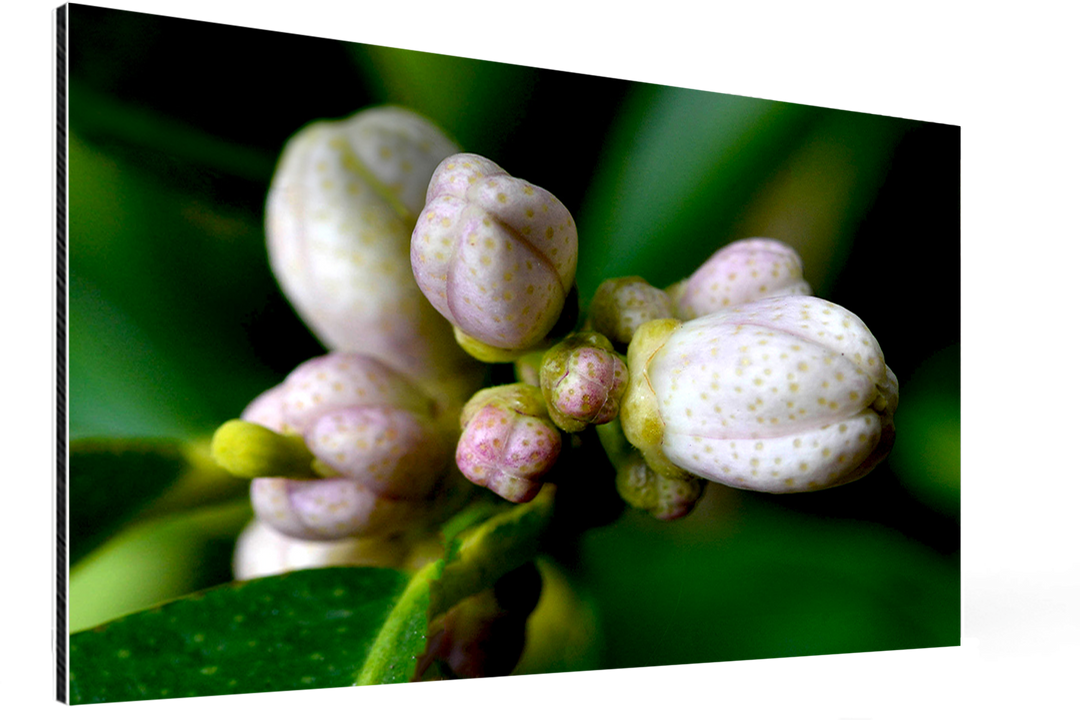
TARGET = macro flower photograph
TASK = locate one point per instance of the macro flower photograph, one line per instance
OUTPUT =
(387, 366)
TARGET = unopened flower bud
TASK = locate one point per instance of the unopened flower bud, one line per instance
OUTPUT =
(583, 381)
(341, 208)
(508, 442)
(378, 443)
(739, 273)
(666, 497)
(621, 305)
(261, 551)
(495, 255)
(781, 395)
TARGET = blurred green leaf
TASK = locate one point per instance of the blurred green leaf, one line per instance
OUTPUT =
(478, 103)
(111, 480)
(306, 629)
(687, 172)
(151, 561)
(162, 283)
(763, 582)
(563, 633)
(676, 171)
(926, 456)
(99, 115)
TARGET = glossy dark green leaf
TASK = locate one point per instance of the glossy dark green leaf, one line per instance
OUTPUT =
(111, 480)
(307, 629)
(403, 637)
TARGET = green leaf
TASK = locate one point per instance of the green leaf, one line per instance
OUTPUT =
(927, 453)
(492, 549)
(476, 512)
(403, 637)
(111, 481)
(306, 629)
(153, 561)
(676, 170)
(742, 578)
(685, 172)
(478, 102)
(159, 313)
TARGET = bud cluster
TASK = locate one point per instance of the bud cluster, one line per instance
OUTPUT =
(412, 262)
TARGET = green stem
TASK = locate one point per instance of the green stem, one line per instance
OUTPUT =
(486, 553)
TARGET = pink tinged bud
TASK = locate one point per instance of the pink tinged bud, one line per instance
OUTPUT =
(621, 305)
(781, 395)
(507, 442)
(376, 438)
(742, 272)
(495, 255)
(338, 381)
(267, 409)
(393, 450)
(583, 381)
(328, 509)
(341, 207)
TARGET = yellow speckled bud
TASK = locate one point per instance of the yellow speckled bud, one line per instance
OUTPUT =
(621, 305)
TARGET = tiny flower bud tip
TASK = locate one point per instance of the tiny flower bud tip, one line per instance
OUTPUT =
(583, 381)
(247, 449)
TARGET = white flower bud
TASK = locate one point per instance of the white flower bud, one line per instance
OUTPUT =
(339, 216)
(781, 395)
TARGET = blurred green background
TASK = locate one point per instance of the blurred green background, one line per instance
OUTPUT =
(176, 322)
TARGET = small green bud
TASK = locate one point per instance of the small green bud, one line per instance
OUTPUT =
(665, 497)
(246, 449)
(621, 305)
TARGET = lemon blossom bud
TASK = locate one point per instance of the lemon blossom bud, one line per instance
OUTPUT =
(739, 273)
(666, 497)
(508, 442)
(495, 255)
(582, 380)
(340, 211)
(785, 394)
(378, 441)
(621, 305)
